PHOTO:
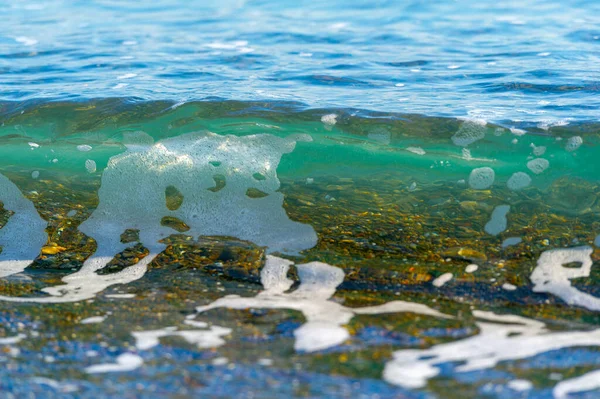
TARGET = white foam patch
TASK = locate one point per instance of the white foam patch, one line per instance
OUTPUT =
(120, 296)
(509, 287)
(12, 340)
(573, 143)
(93, 320)
(498, 222)
(84, 148)
(329, 119)
(587, 382)
(538, 151)
(517, 132)
(469, 132)
(132, 196)
(518, 181)
(552, 277)
(208, 338)
(125, 362)
(481, 178)
(520, 385)
(443, 279)
(538, 165)
(23, 235)
(325, 318)
(416, 150)
(500, 338)
(90, 165)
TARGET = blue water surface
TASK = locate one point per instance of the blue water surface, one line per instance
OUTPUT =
(531, 61)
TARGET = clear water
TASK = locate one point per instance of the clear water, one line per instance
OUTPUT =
(292, 199)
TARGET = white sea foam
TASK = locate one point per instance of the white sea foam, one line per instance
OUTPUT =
(329, 119)
(416, 150)
(90, 165)
(132, 196)
(573, 143)
(93, 320)
(469, 132)
(325, 318)
(12, 340)
(552, 277)
(481, 178)
(587, 382)
(23, 235)
(538, 165)
(500, 338)
(125, 362)
(538, 151)
(520, 385)
(84, 148)
(207, 338)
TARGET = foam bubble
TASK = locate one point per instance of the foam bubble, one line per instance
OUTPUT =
(84, 148)
(35, 174)
(497, 223)
(573, 143)
(538, 165)
(538, 151)
(469, 132)
(90, 166)
(416, 150)
(518, 181)
(552, 277)
(329, 119)
(481, 178)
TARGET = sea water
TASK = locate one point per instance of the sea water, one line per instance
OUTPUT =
(250, 199)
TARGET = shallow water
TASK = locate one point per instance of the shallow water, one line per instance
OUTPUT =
(384, 201)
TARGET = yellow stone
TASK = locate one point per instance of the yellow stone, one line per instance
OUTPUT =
(52, 250)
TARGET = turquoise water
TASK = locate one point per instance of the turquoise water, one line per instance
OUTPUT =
(366, 199)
